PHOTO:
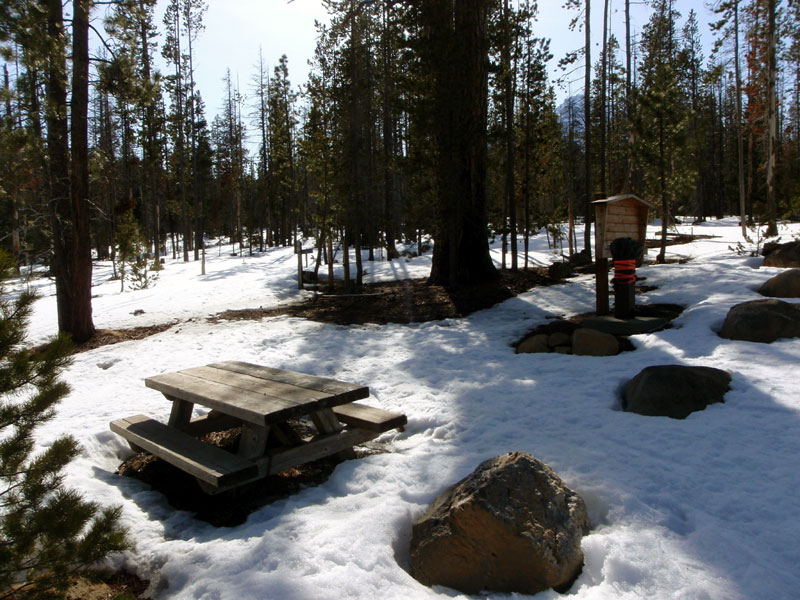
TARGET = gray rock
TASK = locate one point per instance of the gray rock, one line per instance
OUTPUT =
(675, 391)
(615, 326)
(762, 321)
(559, 270)
(535, 343)
(783, 255)
(590, 342)
(510, 526)
(580, 259)
(563, 349)
(559, 338)
(783, 285)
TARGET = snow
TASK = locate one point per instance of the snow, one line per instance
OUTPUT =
(704, 508)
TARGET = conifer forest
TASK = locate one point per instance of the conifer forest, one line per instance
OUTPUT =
(415, 120)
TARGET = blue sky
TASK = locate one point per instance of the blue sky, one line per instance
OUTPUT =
(235, 29)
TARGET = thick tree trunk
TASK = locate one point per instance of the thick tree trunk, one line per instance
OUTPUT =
(82, 327)
(461, 252)
(772, 120)
(390, 200)
(72, 264)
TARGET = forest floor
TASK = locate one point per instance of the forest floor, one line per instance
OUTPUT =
(405, 301)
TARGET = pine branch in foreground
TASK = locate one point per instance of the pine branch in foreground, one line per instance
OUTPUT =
(47, 532)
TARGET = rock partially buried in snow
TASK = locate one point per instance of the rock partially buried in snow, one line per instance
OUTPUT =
(762, 321)
(510, 526)
(559, 338)
(590, 342)
(675, 391)
(783, 255)
(534, 344)
(783, 285)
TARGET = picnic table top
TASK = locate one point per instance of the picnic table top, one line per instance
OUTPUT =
(256, 394)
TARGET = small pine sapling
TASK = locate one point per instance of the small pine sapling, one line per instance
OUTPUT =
(132, 255)
(47, 532)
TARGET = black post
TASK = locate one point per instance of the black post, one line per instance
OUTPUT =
(625, 251)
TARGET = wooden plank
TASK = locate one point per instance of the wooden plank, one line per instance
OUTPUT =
(319, 447)
(369, 417)
(253, 407)
(204, 461)
(621, 208)
(247, 406)
(622, 227)
(624, 219)
(245, 381)
(349, 391)
(615, 232)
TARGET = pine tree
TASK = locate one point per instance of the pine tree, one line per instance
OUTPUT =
(47, 531)
(662, 117)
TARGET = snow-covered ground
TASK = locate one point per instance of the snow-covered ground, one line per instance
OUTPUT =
(708, 507)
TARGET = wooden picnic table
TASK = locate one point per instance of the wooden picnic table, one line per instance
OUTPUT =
(261, 400)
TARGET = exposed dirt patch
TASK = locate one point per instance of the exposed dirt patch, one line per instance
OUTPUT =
(104, 337)
(101, 586)
(677, 239)
(409, 301)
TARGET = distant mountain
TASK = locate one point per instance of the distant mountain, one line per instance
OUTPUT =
(572, 104)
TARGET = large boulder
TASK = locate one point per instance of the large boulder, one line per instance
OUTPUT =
(590, 342)
(782, 255)
(783, 285)
(674, 391)
(762, 321)
(510, 526)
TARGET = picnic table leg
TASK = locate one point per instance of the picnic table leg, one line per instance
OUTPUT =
(285, 434)
(181, 413)
(253, 443)
(326, 422)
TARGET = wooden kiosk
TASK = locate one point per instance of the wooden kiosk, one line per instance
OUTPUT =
(619, 216)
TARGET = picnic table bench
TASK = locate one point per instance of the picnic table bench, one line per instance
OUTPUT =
(261, 400)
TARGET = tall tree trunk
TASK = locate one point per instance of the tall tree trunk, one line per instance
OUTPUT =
(460, 70)
(603, 95)
(390, 199)
(9, 125)
(198, 217)
(510, 77)
(628, 184)
(587, 128)
(72, 264)
(662, 184)
(772, 120)
(150, 152)
(181, 149)
(739, 136)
